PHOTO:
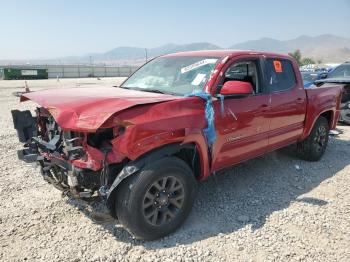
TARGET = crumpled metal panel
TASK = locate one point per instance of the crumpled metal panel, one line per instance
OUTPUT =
(86, 109)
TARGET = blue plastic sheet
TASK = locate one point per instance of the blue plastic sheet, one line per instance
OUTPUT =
(209, 131)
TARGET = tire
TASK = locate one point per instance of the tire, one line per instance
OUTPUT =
(314, 146)
(345, 113)
(144, 200)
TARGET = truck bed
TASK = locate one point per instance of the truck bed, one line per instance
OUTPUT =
(320, 99)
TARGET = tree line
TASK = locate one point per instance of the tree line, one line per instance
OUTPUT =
(303, 60)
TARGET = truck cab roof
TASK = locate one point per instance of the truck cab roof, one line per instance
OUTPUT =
(224, 53)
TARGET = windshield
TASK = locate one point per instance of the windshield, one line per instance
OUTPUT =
(340, 72)
(178, 75)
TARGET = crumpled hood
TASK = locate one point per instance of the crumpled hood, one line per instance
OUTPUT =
(86, 109)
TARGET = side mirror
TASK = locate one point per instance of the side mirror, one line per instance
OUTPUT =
(237, 88)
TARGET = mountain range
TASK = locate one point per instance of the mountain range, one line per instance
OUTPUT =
(326, 48)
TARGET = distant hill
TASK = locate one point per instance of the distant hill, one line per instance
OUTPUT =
(327, 48)
(137, 54)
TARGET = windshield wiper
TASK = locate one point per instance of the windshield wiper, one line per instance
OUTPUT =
(152, 90)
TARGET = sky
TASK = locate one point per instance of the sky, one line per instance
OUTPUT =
(49, 29)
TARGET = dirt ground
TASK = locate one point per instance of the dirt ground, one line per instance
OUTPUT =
(273, 208)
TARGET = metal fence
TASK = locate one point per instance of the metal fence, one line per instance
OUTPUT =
(78, 71)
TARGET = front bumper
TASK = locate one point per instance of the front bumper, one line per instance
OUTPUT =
(25, 125)
(29, 155)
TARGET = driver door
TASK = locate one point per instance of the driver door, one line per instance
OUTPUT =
(242, 128)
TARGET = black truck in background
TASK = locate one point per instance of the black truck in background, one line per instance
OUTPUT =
(341, 74)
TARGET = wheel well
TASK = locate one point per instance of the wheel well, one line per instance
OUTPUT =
(329, 116)
(186, 152)
(191, 157)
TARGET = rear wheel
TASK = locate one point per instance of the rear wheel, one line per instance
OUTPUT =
(155, 202)
(314, 146)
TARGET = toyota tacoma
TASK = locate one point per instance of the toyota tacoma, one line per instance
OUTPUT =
(142, 147)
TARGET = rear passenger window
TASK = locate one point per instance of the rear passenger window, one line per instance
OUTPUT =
(279, 74)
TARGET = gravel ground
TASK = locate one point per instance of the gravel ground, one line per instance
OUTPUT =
(273, 208)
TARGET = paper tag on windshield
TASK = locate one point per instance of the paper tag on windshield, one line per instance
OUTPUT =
(198, 79)
(197, 64)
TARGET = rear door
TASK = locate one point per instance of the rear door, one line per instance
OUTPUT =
(243, 125)
(288, 102)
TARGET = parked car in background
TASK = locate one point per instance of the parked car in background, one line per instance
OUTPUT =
(309, 78)
(341, 75)
(341, 71)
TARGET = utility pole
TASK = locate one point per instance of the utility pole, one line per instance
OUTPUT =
(62, 69)
(92, 68)
(146, 55)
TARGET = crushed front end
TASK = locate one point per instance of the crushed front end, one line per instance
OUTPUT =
(80, 164)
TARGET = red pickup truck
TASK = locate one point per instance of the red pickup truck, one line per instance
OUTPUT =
(181, 117)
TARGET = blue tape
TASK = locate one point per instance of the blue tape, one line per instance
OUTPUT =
(209, 131)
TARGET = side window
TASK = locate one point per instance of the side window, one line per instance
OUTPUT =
(246, 71)
(280, 74)
(237, 71)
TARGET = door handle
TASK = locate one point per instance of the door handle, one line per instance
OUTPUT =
(300, 100)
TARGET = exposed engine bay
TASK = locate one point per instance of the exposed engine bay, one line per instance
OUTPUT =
(54, 150)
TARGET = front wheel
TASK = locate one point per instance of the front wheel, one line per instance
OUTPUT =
(156, 201)
(314, 146)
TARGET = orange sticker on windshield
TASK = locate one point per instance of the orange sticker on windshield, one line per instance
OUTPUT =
(278, 66)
